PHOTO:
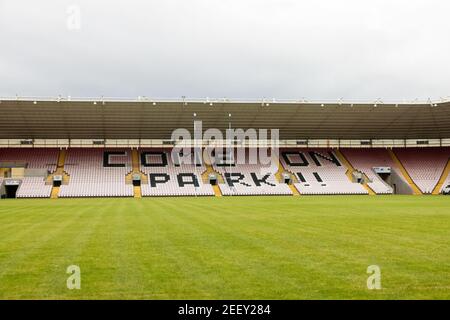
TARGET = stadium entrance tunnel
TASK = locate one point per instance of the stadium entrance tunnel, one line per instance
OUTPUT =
(57, 180)
(11, 191)
(136, 180)
(394, 180)
(213, 180)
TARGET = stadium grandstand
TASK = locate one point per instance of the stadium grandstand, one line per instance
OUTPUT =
(65, 147)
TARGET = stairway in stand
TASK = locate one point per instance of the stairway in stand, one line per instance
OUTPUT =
(414, 187)
(279, 178)
(442, 179)
(351, 169)
(136, 169)
(137, 191)
(205, 178)
(59, 172)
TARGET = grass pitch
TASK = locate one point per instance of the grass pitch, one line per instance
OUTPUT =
(226, 248)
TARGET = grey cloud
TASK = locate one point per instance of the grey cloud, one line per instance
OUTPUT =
(324, 49)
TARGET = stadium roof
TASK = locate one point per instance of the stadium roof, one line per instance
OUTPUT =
(155, 119)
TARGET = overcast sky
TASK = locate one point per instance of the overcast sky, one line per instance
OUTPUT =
(317, 49)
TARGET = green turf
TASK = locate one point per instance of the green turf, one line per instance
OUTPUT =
(226, 248)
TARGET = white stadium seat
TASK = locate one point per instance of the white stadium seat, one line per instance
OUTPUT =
(425, 166)
(102, 172)
(167, 179)
(32, 158)
(365, 160)
(250, 177)
(90, 178)
(319, 171)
